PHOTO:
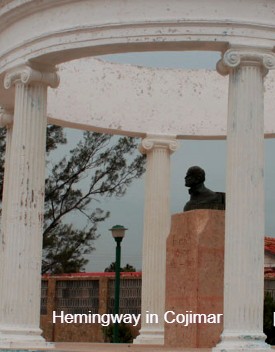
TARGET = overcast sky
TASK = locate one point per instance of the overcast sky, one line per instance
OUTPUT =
(210, 155)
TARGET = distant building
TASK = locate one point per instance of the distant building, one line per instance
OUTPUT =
(269, 247)
(269, 265)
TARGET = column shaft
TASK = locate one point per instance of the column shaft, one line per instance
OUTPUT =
(245, 202)
(244, 224)
(22, 232)
(156, 230)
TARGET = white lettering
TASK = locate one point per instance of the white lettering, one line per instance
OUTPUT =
(96, 318)
(117, 318)
(69, 318)
(58, 316)
(136, 319)
(166, 317)
(191, 318)
(180, 318)
(105, 319)
(78, 318)
(211, 319)
(218, 318)
(170, 317)
(127, 319)
(199, 316)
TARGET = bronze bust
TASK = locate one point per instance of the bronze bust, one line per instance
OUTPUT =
(200, 196)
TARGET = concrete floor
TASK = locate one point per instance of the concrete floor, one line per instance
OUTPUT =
(106, 347)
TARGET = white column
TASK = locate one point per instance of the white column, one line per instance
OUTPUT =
(156, 229)
(22, 251)
(244, 227)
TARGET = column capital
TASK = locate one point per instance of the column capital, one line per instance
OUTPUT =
(29, 75)
(6, 118)
(235, 57)
(164, 142)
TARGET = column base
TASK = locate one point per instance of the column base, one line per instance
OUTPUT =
(20, 338)
(242, 342)
(150, 336)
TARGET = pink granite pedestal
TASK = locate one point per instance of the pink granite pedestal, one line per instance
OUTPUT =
(194, 276)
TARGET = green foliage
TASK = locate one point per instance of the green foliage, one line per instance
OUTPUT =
(124, 333)
(55, 136)
(108, 165)
(63, 248)
(126, 268)
(2, 158)
(269, 309)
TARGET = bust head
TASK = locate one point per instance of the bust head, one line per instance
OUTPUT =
(195, 175)
(200, 196)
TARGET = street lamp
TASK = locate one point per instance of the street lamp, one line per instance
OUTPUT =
(118, 233)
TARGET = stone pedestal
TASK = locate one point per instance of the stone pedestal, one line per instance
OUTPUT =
(194, 276)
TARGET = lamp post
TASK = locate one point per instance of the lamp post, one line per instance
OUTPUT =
(118, 233)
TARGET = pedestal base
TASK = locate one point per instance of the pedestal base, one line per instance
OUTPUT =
(241, 349)
(242, 343)
(13, 338)
(194, 276)
(150, 336)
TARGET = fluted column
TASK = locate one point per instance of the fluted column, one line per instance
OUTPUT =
(156, 230)
(22, 233)
(244, 225)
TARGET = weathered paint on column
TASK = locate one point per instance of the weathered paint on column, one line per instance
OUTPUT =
(156, 229)
(22, 252)
(244, 225)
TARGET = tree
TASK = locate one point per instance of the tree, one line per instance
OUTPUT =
(2, 158)
(55, 137)
(126, 268)
(99, 165)
(125, 334)
(269, 309)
